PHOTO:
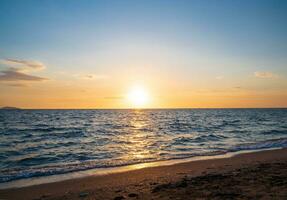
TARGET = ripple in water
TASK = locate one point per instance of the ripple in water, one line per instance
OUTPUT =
(47, 142)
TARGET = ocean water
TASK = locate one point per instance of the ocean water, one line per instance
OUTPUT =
(47, 142)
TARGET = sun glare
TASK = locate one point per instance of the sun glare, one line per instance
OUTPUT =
(138, 97)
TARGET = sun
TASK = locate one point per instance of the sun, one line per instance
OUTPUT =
(138, 97)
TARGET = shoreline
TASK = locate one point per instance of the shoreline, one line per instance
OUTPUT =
(32, 181)
(147, 178)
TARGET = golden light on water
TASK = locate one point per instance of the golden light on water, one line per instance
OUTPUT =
(139, 138)
(138, 97)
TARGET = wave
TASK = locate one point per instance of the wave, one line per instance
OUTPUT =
(16, 173)
(275, 143)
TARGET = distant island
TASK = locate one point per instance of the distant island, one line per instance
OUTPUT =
(10, 108)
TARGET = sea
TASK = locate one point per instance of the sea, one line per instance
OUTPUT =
(36, 143)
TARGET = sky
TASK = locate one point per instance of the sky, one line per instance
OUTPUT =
(182, 54)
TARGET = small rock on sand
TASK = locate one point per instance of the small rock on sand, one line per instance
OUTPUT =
(83, 194)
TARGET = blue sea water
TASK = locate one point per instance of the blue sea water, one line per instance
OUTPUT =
(47, 142)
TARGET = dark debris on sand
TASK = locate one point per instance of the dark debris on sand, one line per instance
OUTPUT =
(267, 181)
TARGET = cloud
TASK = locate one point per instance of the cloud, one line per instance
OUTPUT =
(18, 70)
(91, 76)
(269, 75)
(25, 64)
(13, 74)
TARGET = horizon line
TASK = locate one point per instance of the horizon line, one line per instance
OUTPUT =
(164, 108)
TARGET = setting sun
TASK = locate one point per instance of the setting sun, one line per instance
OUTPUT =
(138, 97)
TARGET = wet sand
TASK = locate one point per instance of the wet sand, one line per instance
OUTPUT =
(257, 175)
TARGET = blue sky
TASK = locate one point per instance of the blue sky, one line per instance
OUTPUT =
(245, 27)
(184, 39)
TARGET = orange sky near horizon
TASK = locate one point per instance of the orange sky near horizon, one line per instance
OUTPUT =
(89, 94)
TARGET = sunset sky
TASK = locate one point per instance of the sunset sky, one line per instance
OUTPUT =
(180, 54)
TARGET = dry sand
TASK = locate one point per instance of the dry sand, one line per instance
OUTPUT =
(258, 175)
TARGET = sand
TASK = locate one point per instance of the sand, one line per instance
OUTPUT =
(257, 175)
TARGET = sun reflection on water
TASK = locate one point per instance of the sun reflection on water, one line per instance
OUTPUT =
(138, 139)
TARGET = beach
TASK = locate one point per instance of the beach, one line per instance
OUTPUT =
(152, 100)
(254, 175)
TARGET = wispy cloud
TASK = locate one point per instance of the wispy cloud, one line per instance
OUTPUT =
(18, 70)
(269, 75)
(91, 76)
(25, 64)
(13, 74)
